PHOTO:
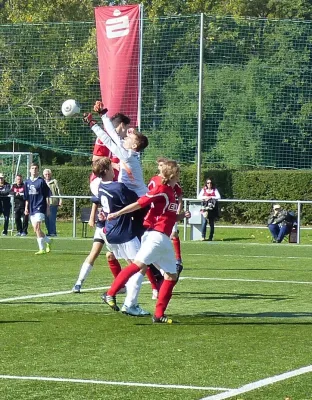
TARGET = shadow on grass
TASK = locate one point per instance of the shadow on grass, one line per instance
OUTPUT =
(235, 296)
(234, 239)
(257, 315)
(18, 322)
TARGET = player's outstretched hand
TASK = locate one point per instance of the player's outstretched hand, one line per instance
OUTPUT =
(99, 108)
(88, 119)
(111, 216)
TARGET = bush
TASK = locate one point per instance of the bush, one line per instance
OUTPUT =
(232, 184)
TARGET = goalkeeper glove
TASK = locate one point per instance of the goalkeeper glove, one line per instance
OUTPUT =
(99, 108)
(88, 119)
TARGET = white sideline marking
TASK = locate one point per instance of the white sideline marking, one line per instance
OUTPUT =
(263, 382)
(246, 256)
(137, 384)
(34, 296)
(246, 280)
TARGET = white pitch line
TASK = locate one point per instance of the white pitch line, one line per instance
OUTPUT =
(34, 296)
(258, 384)
(247, 280)
(259, 256)
(137, 384)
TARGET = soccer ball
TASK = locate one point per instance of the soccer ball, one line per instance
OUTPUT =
(70, 108)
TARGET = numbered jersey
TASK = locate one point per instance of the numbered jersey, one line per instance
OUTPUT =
(114, 196)
(162, 214)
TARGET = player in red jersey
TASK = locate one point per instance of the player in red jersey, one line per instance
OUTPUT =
(154, 181)
(156, 247)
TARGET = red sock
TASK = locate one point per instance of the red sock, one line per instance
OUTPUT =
(114, 266)
(123, 278)
(177, 248)
(151, 278)
(164, 296)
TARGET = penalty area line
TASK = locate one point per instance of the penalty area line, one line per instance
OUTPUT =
(258, 384)
(98, 382)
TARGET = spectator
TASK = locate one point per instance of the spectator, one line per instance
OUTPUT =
(5, 203)
(21, 220)
(280, 223)
(209, 195)
(55, 203)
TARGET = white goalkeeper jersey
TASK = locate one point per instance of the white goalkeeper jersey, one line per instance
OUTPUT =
(130, 173)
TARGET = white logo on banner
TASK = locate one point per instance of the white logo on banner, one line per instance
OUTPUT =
(117, 27)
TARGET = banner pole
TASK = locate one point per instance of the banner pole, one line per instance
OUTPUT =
(140, 67)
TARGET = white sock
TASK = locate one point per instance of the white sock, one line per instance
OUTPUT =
(84, 272)
(133, 289)
(40, 241)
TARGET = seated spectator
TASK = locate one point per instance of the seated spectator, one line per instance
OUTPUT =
(280, 223)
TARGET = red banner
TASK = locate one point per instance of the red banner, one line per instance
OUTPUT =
(118, 46)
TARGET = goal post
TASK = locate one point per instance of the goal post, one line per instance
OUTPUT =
(13, 163)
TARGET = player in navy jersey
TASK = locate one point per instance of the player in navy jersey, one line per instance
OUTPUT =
(37, 205)
(156, 246)
(121, 233)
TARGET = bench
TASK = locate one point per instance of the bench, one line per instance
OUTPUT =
(85, 213)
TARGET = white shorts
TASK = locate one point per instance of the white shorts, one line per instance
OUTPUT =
(99, 236)
(156, 248)
(38, 217)
(127, 251)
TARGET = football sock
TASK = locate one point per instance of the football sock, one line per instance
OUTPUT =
(151, 278)
(84, 272)
(123, 278)
(164, 296)
(177, 248)
(114, 266)
(40, 242)
(133, 289)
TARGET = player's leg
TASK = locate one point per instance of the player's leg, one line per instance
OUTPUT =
(88, 263)
(42, 239)
(166, 261)
(113, 263)
(176, 243)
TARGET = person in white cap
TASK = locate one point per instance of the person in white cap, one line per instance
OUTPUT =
(280, 223)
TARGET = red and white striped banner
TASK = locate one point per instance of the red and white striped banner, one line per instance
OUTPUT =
(118, 46)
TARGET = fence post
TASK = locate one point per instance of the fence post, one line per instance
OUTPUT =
(75, 218)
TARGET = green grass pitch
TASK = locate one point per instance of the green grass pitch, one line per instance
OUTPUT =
(244, 323)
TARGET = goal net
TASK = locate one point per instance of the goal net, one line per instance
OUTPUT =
(13, 163)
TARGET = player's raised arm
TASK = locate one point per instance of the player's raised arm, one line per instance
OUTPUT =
(114, 146)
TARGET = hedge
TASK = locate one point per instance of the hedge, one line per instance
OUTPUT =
(255, 184)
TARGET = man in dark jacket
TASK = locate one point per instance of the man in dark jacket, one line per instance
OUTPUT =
(5, 203)
(21, 220)
(280, 223)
